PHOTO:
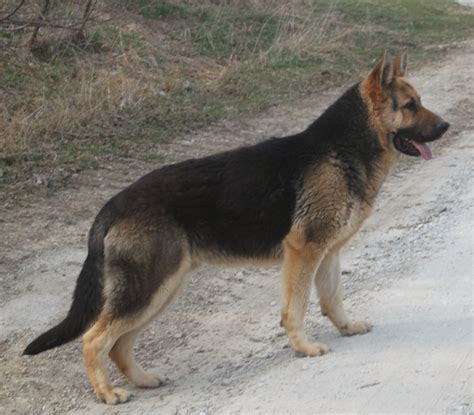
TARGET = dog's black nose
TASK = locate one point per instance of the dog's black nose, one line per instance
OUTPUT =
(442, 127)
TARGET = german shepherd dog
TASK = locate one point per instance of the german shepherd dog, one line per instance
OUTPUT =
(295, 200)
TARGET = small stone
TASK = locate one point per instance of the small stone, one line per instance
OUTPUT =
(226, 300)
(458, 409)
(226, 382)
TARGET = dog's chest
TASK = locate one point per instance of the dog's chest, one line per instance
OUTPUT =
(356, 217)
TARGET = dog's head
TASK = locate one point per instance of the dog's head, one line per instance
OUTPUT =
(396, 111)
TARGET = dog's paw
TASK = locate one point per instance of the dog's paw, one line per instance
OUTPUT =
(114, 396)
(147, 380)
(311, 349)
(357, 327)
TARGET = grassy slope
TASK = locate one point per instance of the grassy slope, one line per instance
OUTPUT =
(161, 68)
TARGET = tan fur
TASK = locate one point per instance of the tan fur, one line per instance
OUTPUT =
(300, 262)
(128, 236)
(329, 288)
(335, 215)
(115, 337)
(382, 117)
(325, 202)
(404, 92)
(122, 355)
(222, 260)
(97, 343)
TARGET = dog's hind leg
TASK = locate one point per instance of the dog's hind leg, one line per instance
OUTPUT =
(115, 335)
(122, 351)
(329, 288)
(143, 271)
(97, 343)
(122, 356)
(300, 263)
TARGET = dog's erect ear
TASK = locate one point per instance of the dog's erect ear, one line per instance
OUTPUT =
(382, 73)
(400, 63)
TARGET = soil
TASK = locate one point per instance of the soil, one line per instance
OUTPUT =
(219, 347)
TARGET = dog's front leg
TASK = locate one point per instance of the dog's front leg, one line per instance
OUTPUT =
(329, 288)
(300, 263)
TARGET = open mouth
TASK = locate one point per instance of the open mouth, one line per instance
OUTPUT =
(411, 142)
(412, 148)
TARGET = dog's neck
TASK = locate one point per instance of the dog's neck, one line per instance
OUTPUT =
(389, 156)
(349, 129)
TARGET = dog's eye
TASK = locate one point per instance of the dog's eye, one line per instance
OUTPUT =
(411, 106)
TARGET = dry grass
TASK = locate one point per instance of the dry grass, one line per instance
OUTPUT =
(152, 67)
(302, 35)
(101, 91)
(44, 118)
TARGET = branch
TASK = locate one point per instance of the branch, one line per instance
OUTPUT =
(37, 27)
(22, 2)
(87, 14)
(44, 23)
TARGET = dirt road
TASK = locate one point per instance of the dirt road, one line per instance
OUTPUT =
(220, 347)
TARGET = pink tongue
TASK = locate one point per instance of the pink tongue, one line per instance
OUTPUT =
(423, 149)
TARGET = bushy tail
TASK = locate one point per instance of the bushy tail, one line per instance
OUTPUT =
(86, 304)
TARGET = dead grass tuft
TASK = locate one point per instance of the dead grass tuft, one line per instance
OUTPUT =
(44, 118)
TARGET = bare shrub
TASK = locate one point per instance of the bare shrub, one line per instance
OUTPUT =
(28, 17)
